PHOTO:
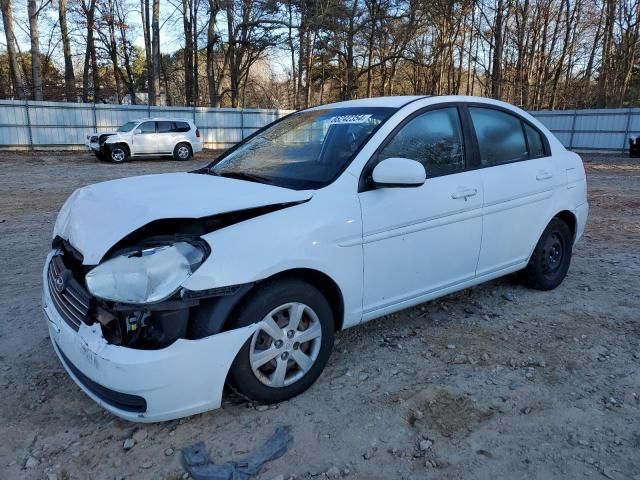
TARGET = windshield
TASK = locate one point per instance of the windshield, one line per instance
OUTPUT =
(305, 150)
(127, 127)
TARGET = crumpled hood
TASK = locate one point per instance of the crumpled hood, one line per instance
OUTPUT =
(95, 217)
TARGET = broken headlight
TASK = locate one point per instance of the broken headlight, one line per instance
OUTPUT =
(145, 275)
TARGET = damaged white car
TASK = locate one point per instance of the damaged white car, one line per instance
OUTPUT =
(161, 289)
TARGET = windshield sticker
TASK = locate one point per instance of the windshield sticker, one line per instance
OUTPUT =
(346, 119)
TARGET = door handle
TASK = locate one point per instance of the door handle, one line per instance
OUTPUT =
(464, 193)
(542, 175)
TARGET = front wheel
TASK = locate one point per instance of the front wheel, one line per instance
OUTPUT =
(551, 258)
(118, 153)
(182, 151)
(291, 346)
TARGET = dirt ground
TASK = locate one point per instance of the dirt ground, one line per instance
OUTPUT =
(496, 381)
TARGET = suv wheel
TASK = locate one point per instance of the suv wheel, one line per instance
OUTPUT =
(118, 153)
(551, 257)
(290, 348)
(182, 151)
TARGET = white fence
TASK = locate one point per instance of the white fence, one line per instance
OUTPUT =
(64, 126)
(599, 129)
(59, 125)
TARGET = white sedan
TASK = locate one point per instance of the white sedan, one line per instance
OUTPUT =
(160, 289)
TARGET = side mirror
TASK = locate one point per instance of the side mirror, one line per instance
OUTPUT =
(398, 172)
(137, 131)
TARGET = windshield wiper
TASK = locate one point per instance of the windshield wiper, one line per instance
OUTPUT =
(251, 177)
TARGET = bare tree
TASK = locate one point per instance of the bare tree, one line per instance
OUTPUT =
(155, 26)
(69, 75)
(36, 62)
(14, 68)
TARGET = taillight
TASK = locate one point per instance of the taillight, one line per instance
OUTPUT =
(197, 133)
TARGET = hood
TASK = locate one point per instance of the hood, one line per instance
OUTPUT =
(96, 217)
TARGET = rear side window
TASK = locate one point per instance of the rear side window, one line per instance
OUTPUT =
(433, 138)
(165, 127)
(147, 127)
(500, 136)
(181, 127)
(534, 140)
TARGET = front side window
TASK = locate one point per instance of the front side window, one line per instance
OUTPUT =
(434, 139)
(305, 150)
(127, 127)
(165, 127)
(500, 136)
(147, 128)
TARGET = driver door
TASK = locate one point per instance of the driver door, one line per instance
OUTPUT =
(145, 138)
(420, 242)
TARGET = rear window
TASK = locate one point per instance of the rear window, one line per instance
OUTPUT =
(173, 127)
(182, 127)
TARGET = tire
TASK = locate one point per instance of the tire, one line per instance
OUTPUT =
(550, 260)
(182, 152)
(118, 153)
(277, 375)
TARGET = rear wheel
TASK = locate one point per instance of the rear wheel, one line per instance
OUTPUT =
(182, 151)
(551, 258)
(118, 153)
(291, 346)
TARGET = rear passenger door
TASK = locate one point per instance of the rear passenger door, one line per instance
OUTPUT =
(519, 176)
(166, 136)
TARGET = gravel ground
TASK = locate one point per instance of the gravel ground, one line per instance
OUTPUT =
(496, 381)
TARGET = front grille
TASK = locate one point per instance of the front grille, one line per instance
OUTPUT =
(122, 401)
(94, 139)
(71, 300)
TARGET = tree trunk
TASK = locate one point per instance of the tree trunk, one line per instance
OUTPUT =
(69, 76)
(155, 26)
(603, 79)
(14, 68)
(90, 58)
(113, 50)
(36, 64)
(146, 31)
(212, 40)
(194, 29)
(188, 51)
(496, 72)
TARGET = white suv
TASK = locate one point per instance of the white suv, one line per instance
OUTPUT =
(178, 137)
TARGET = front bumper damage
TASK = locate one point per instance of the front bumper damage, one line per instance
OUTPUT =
(185, 378)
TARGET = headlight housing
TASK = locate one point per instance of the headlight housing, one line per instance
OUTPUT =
(146, 275)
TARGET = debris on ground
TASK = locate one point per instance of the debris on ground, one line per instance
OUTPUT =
(196, 459)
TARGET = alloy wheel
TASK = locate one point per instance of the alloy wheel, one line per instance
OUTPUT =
(183, 152)
(286, 345)
(117, 155)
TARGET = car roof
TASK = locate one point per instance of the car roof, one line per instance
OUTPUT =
(169, 119)
(402, 100)
(395, 101)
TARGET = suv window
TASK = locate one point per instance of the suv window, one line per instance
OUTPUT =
(433, 138)
(534, 140)
(165, 127)
(500, 136)
(181, 127)
(147, 127)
